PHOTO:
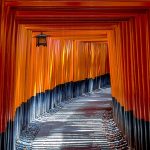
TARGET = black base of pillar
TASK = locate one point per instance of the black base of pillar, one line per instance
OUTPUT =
(137, 131)
(6, 138)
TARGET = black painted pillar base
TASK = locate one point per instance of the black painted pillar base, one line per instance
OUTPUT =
(6, 138)
(136, 131)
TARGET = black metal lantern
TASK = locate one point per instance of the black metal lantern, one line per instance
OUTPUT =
(41, 40)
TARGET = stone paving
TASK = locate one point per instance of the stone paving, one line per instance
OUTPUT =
(83, 123)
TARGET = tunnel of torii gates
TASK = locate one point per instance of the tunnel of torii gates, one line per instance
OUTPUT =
(88, 41)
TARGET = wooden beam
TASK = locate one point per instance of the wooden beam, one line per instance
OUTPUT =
(78, 3)
(70, 26)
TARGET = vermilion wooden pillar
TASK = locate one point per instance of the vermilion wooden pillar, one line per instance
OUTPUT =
(129, 61)
(8, 36)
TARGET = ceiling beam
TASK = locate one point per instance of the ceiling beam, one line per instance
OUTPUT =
(77, 3)
(70, 26)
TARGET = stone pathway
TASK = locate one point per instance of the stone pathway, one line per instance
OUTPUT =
(79, 124)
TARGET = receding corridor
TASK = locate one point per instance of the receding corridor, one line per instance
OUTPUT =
(74, 74)
(75, 124)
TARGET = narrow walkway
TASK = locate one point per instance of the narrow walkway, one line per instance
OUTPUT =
(78, 125)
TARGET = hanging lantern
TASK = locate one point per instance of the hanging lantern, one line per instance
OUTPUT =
(41, 40)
